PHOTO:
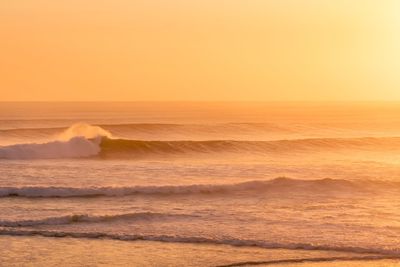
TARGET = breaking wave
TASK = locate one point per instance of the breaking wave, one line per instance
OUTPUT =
(278, 185)
(83, 140)
(77, 147)
(78, 141)
(83, 130)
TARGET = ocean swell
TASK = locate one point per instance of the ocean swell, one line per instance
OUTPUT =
(136, 148)
(103, 147)
(83, 140)
(278, 185)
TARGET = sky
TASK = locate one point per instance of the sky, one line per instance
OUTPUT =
(199, 50)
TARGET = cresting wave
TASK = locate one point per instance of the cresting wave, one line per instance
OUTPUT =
(76, 147)
(85, 218)
(78, 141)
(278, 185)
(389, 253)
(107, 148)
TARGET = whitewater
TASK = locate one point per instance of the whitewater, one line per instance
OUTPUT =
(321, 183)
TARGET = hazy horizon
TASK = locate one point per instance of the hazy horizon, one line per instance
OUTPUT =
(199, 50)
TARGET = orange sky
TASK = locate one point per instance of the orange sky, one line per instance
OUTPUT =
(200, 50)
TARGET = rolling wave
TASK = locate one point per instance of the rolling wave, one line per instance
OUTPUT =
(85, 218)
(389, 253)
(84, 140)
(278, 185)
(136, 148)
(108, 148)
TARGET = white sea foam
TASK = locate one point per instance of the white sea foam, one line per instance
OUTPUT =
(79, 140)
(83, 130)
(77, 147)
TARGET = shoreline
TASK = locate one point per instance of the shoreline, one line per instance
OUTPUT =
(50, 251)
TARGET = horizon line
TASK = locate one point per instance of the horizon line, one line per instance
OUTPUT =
(200, 101)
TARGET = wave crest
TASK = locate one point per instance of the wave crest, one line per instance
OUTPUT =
(83, 140)
(76, 147)
(278, 185)
(83, 130)
(78, 141)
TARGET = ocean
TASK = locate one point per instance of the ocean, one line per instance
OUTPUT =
(199, 183)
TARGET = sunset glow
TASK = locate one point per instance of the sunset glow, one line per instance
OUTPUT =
(215, 133)
(200, 50)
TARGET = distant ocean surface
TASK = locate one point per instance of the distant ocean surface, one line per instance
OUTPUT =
(285, 176)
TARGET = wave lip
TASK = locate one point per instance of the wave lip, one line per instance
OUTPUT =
(85, 218)
(278, 185)
(78, 141)
(84, 130)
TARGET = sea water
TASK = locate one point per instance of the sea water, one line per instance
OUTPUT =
(299, 177)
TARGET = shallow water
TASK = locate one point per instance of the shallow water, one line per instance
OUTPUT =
(103, 252)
